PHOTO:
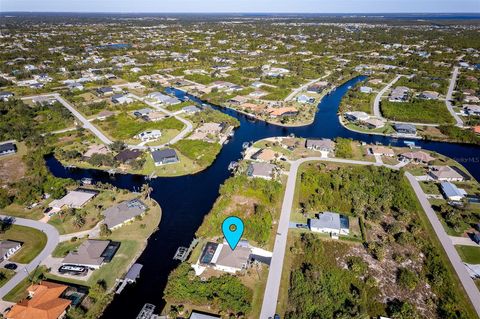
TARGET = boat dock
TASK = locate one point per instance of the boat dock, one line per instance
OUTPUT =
(183, 252)
(132, 275)
(147, 312)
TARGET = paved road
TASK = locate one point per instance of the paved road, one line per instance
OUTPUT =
(471, 289)
(448, 98)
(86, 123)
(272, 289)
(378, 98)
(303, 87)
(463, 241)
(52, 241)
(188, 125)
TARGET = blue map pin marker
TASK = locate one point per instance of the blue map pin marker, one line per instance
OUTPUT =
(232, 228)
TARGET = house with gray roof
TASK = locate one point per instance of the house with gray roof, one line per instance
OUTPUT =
(260, 170)
(8, 248)
(324, 144)
(330, 223)
(166, 156)
(91, 253)
(452, 192)
(123, 213)
(7, 148)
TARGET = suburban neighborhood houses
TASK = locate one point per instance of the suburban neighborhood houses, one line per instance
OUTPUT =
(344, 146)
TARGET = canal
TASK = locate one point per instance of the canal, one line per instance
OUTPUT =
(186, 200)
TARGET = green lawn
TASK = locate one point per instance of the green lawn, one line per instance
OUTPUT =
(20, 291)
(5, 275)
(418, 111)
(124, 126)
(469, 254)
(33, 242)
(65, 247)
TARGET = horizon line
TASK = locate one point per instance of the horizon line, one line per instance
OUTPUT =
(232, 12)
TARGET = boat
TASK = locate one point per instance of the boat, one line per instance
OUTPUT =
(146, 312)
(232, 165)
(245, 145)
(86, 181)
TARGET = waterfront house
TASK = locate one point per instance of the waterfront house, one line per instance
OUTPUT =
(445, 173)
(373, 123)
(150, 135)
(330, 223)
(121, 99)
(165, 156)
(283, 111)
(324, 144)
(92, 253)
(201, 315)
(417, 157)
(237, 100)
(7, 148)
(8, 248)
(74, 199)
(366, 89)
(44, 302)
(222, 258)
(96, 149)
(405, 128)
(303, 99)
(265, 155)
(452, 192)
(381, 151)
(356, 116)
(123, 213)
(163, 99)
(260, 170)
(191, 109)
(126, 156)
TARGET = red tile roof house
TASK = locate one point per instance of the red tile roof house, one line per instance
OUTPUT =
(44, 302)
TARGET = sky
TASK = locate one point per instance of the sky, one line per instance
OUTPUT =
(277, 6)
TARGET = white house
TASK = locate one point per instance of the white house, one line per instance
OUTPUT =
(121, 99)
(330, 223)
(149, 135)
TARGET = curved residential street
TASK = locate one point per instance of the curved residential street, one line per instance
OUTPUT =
(272, 288)
(23, 271)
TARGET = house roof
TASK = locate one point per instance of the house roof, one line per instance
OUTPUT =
(75, 199)
(323, 143)
(89, 253)
(326, 220)
(232, 258)
(7, 147)
(443, 172)
(198, 315)
(261, 169)
(419, 156)
(6, 245)
(118, 214)
(45, 303)
(378, 149)
(451, 190)
(282, 111)
(160, 155)
(127, 155)
(265, 154)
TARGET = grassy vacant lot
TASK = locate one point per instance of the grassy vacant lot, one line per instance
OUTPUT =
(417, 111)
(20, 211)
(202, 153)
(469, 254)
(33, 242)
(124, 126)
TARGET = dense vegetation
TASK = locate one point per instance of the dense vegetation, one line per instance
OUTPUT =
(385, 200)
(225, 293)
(417, 111)
(262, 197)
(460, 135)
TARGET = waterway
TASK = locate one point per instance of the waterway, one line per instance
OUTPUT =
(186, 200)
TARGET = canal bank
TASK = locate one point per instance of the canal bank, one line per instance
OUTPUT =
(186, 200)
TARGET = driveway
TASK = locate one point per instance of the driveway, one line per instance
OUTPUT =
(463, 241)
(23, 271)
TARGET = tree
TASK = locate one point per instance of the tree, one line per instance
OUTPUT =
(407, 278)
(105, 231)
(5, 198)
(117, 146)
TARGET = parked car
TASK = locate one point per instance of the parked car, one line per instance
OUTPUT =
(11, 266)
